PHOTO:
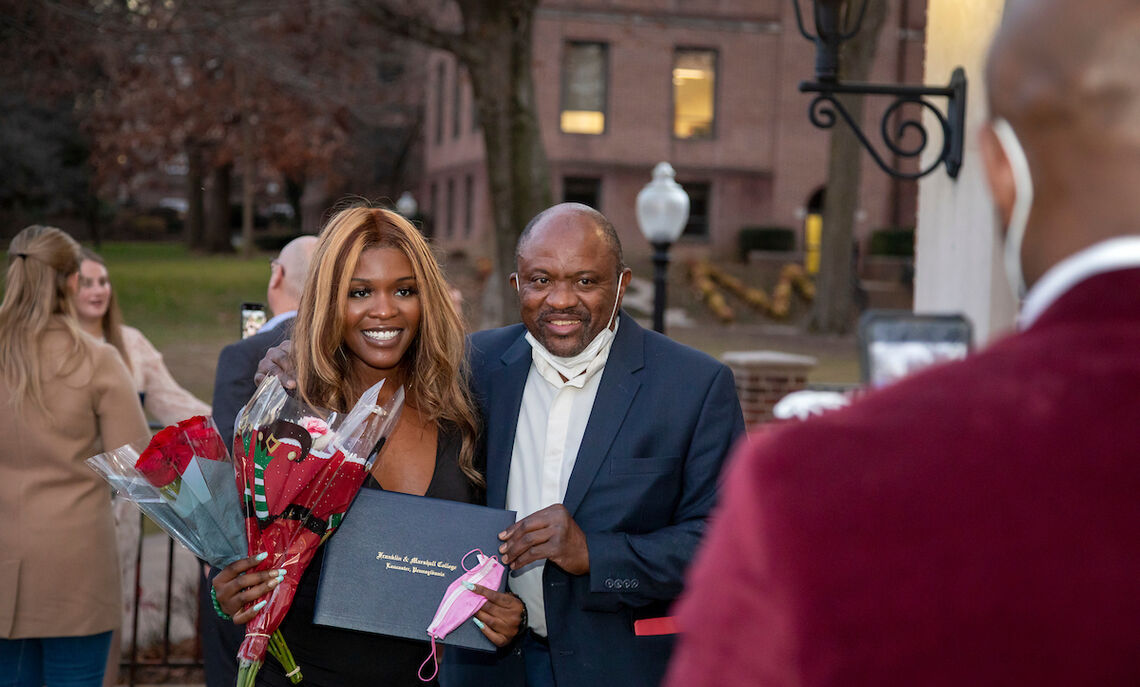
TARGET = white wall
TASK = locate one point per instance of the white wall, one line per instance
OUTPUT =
(957, 251)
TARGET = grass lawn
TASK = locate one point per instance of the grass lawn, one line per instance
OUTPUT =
(186, 304)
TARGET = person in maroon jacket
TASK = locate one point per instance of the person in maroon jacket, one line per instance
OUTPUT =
(978, 523)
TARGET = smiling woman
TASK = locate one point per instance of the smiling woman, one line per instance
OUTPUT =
(376, 307)
(98, 312)
(382, 315)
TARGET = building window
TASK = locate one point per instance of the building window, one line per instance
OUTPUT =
(694, 93)
(698, 226)
(433, 203)
(450, 208)
(456, 103)
(440, 89)
(584, 88)
(469, 205)
(584, 190)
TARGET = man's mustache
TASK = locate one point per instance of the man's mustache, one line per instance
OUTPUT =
(581, 314)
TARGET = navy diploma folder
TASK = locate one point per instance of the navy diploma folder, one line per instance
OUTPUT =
(387, 566)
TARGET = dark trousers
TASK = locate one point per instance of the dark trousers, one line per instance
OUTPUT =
(526, 664)
(220, 638)
(536, 655)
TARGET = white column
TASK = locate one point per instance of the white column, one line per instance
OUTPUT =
(957, 249)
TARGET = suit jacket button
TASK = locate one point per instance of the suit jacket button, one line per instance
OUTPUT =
(634, 583)
(609, 583)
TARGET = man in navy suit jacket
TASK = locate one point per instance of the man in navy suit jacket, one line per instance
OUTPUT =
(979, 523)
(233, 387)
(237, 363)
(608, 440)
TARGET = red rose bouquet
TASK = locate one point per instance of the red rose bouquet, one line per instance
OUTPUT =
(298, 469)
(182, 478)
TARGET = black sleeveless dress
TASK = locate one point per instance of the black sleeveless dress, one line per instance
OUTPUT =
(333, 657)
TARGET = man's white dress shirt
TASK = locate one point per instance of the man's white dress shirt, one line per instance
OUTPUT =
(552, 420)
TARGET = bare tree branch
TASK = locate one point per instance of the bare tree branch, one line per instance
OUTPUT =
(408, 26)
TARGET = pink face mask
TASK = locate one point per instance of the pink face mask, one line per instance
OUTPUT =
(460, 603)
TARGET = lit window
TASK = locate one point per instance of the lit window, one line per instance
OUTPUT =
(694, 93)
(584, 88)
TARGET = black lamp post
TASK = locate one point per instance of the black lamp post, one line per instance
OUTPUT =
(662, 211)
(839, 20)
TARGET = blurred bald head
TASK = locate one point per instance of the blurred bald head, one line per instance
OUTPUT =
(288, 278)
(1064, 74)
(1069, 63)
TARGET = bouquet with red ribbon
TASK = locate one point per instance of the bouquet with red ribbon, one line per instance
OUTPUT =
(182, 478)
(298, 469)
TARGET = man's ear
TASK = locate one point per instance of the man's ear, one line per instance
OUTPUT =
(623, 280)
(276, 276)
(514, 280)
(999, 173)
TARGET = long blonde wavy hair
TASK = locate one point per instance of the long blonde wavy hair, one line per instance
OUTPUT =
(36, 296)
(435, 367)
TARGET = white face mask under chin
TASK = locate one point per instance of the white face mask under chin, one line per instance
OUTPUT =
(1022, 203)
(571, 367)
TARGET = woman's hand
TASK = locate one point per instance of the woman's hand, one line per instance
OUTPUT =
(236, 588)
(501, 616)
(278, 361)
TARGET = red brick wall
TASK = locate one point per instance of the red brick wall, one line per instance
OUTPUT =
(763, 378)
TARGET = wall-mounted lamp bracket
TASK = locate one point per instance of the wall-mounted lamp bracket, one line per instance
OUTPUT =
(835, 22)
(823, 108)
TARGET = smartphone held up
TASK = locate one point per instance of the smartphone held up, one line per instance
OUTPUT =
(252, 318)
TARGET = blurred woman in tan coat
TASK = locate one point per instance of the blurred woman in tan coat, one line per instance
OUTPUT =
(64, 397)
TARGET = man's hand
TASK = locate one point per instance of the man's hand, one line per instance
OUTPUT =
(236, 589)
(551, 534)
(278, 361)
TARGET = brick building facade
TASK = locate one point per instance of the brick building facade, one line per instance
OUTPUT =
(707, 85)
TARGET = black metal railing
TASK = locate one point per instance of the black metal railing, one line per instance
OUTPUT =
(160, 661)
(160, 668)
(134, 665)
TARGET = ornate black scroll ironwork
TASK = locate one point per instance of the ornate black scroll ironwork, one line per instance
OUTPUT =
(835, 23)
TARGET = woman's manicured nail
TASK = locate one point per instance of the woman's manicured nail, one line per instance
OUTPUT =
(280, 574)
(468, 585)
(262, 556)
(259, 605)
(478, 623)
